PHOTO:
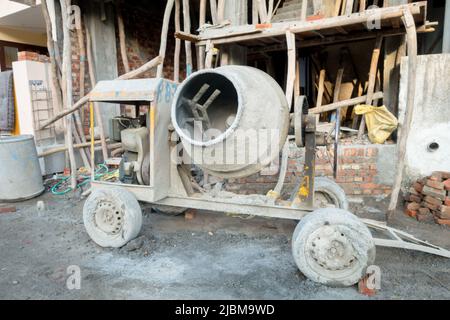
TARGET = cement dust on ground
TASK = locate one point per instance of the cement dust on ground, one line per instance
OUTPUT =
(213, 256)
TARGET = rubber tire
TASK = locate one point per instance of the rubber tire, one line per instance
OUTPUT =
(132, 217)
(361, 239)
(333, 190)
(169, 210)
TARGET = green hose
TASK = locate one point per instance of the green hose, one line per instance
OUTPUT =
(85, 180)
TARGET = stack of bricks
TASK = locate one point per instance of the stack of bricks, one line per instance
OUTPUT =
(429, 199)
(358, 172)
(32, 56)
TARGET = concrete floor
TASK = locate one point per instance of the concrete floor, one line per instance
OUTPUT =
(211, 257)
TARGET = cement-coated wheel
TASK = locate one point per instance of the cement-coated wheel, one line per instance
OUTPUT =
(169, 210)
(333, 247)
(329, 194)
(112, 217)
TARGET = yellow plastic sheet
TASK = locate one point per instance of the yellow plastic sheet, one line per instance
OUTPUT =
(380, 122)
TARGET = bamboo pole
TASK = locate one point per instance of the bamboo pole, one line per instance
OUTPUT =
(164, 31)
(213, 7)
(133, 74)
(411, 34)
(290, 40)
(122, 37)
(79, 115)
(270, 10)
(337, 93)
(255, 11)
(77, 139)
(75, 146)
(67, 92)
(55, 86)
(187, 29)
(201, 49)
(176, 58)
(262, 9)
(220, 11)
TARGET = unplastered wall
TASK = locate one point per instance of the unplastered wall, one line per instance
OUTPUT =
(143, 23)
(428, 147)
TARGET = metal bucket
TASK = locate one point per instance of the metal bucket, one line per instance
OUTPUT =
(20, 172)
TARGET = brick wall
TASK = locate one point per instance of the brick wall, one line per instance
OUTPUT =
(143, 23)
(359, 173)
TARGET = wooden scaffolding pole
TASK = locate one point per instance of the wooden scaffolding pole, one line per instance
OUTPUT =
(411, 35)
(67, 92)
(164, 31)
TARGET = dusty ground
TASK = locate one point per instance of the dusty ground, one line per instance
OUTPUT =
(211, 257)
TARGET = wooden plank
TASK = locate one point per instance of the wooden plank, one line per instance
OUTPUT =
(372, 80)
(321, 88)
(245, 33)
(344, 103)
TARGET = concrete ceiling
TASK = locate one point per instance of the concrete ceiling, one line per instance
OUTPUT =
(29, 19)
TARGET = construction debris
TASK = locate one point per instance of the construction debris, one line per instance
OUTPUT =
(428, 199)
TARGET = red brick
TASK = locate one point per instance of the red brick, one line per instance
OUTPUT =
(363, 289)
(424, 211)
(445, 175)
(418, 187)
(413, 206)
(372, 152)
(7, 209)
(415, 198)
(435, 184)
(444, 212)
(411, 213)
(424, 217)
(414, 192)
(435, 193)
(436, 176)
(442, 221)
(430, 206)
(447, 201)
(432, 201)
(190, 214)
(447, 184)
(369, 186)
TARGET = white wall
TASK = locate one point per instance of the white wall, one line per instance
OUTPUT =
(431, 119)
